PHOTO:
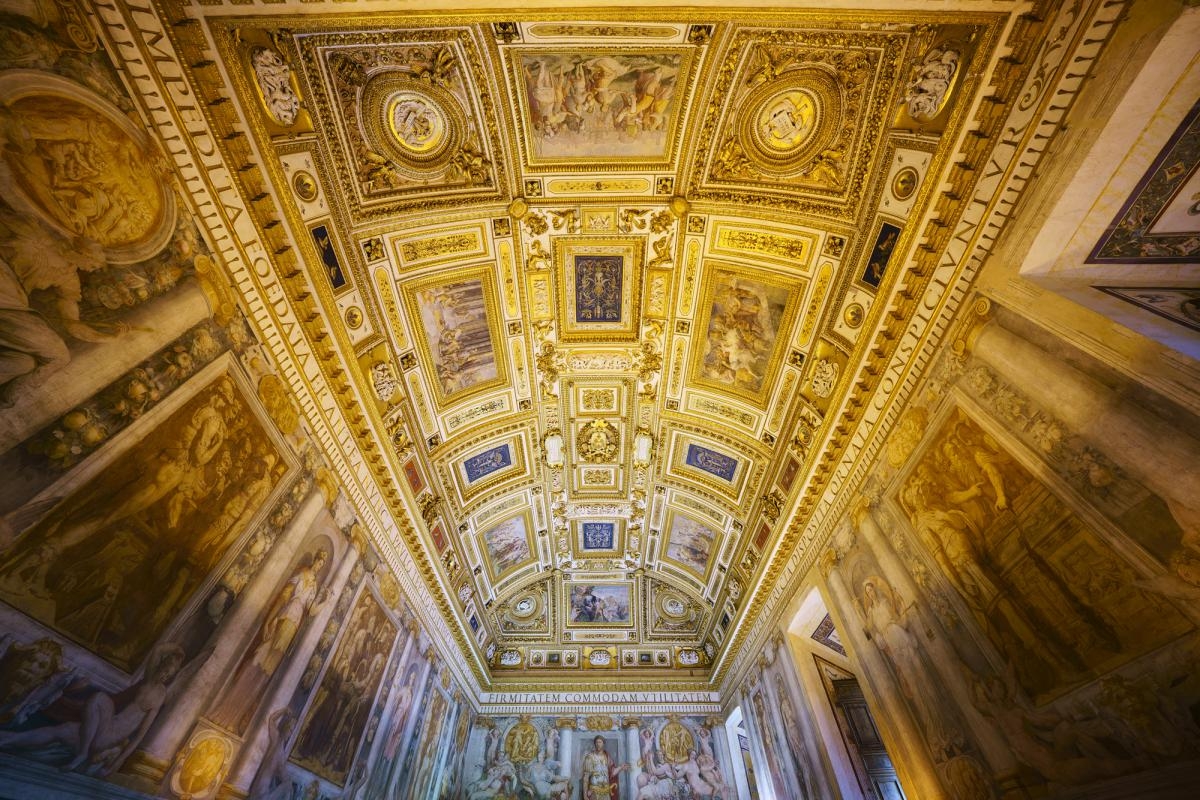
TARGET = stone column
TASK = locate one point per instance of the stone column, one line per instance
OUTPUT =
(758, 747)
(285, 682)
(720, 744)
(633, 753)
(173, 725)
(1152, 449)
(904, 739)
(947, 663)
(566, 745)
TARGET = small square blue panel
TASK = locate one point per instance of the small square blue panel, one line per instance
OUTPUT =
(711, 461)
(487, 462)
(599, 535)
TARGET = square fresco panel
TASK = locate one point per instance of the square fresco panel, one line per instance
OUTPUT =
(454, 319)
(598, 535)
(745, 316)
(600, 604)
(690, 544)
(598, 281)
(489, 461)
(507, 545)
(601, 105)
(712, 462)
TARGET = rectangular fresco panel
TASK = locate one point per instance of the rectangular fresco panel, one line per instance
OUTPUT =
(744, 320)
(711, 461)
(690, 544)
(454, 318)
(600, 604)
(489, 461)
(1179, 305)
(881, 254)
(1055, 598)
(600, 105)
(329, 257)
(598, 281)
(1159, 222)
(507, 545)
(598, 535)
(119, 556)
(338, 715)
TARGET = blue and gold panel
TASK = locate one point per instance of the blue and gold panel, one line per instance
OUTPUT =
(489, 461)
(603, 536)
(600, 289)
(711, 461)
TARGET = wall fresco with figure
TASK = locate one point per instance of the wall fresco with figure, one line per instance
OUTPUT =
(1039, 573)
(598, 756)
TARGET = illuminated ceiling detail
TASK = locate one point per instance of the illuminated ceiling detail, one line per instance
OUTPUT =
(607, 295)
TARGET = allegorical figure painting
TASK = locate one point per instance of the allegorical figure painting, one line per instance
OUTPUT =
(690, 543)
(336, 719)
(612, 105)
(507, 545)
(1051, 593)
(600, 604)
(743, 323)
(116, 559)
(295, 603)
(454, 318)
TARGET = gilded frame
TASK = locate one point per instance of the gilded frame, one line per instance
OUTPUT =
(568, 252)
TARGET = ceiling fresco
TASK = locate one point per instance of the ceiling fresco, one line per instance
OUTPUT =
(597, 286)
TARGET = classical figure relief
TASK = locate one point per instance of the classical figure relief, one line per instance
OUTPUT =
(144, 532)
(927, 91)
(274, 79)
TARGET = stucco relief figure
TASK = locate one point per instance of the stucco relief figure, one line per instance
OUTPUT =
(887, 622)
(274, 78)
(299, 599)
(107, 727)
(931, 83)
(599, 774)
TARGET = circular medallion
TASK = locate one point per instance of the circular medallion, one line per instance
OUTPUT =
(787, 120)
(853, 315)
(674, 607)
(78, 163)
(418, 125)
(416, 122)
(524, 607)
(305, 185)
(905, 183)
(354, 318)
(791, 120)
(600, 658)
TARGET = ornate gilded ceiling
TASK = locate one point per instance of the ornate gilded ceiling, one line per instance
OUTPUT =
(591, 289)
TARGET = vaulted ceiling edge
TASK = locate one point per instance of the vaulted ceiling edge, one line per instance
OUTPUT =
(600, 316)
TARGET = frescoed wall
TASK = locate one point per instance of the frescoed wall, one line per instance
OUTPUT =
(598, 756)
(1032, 566)
(186, 601)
